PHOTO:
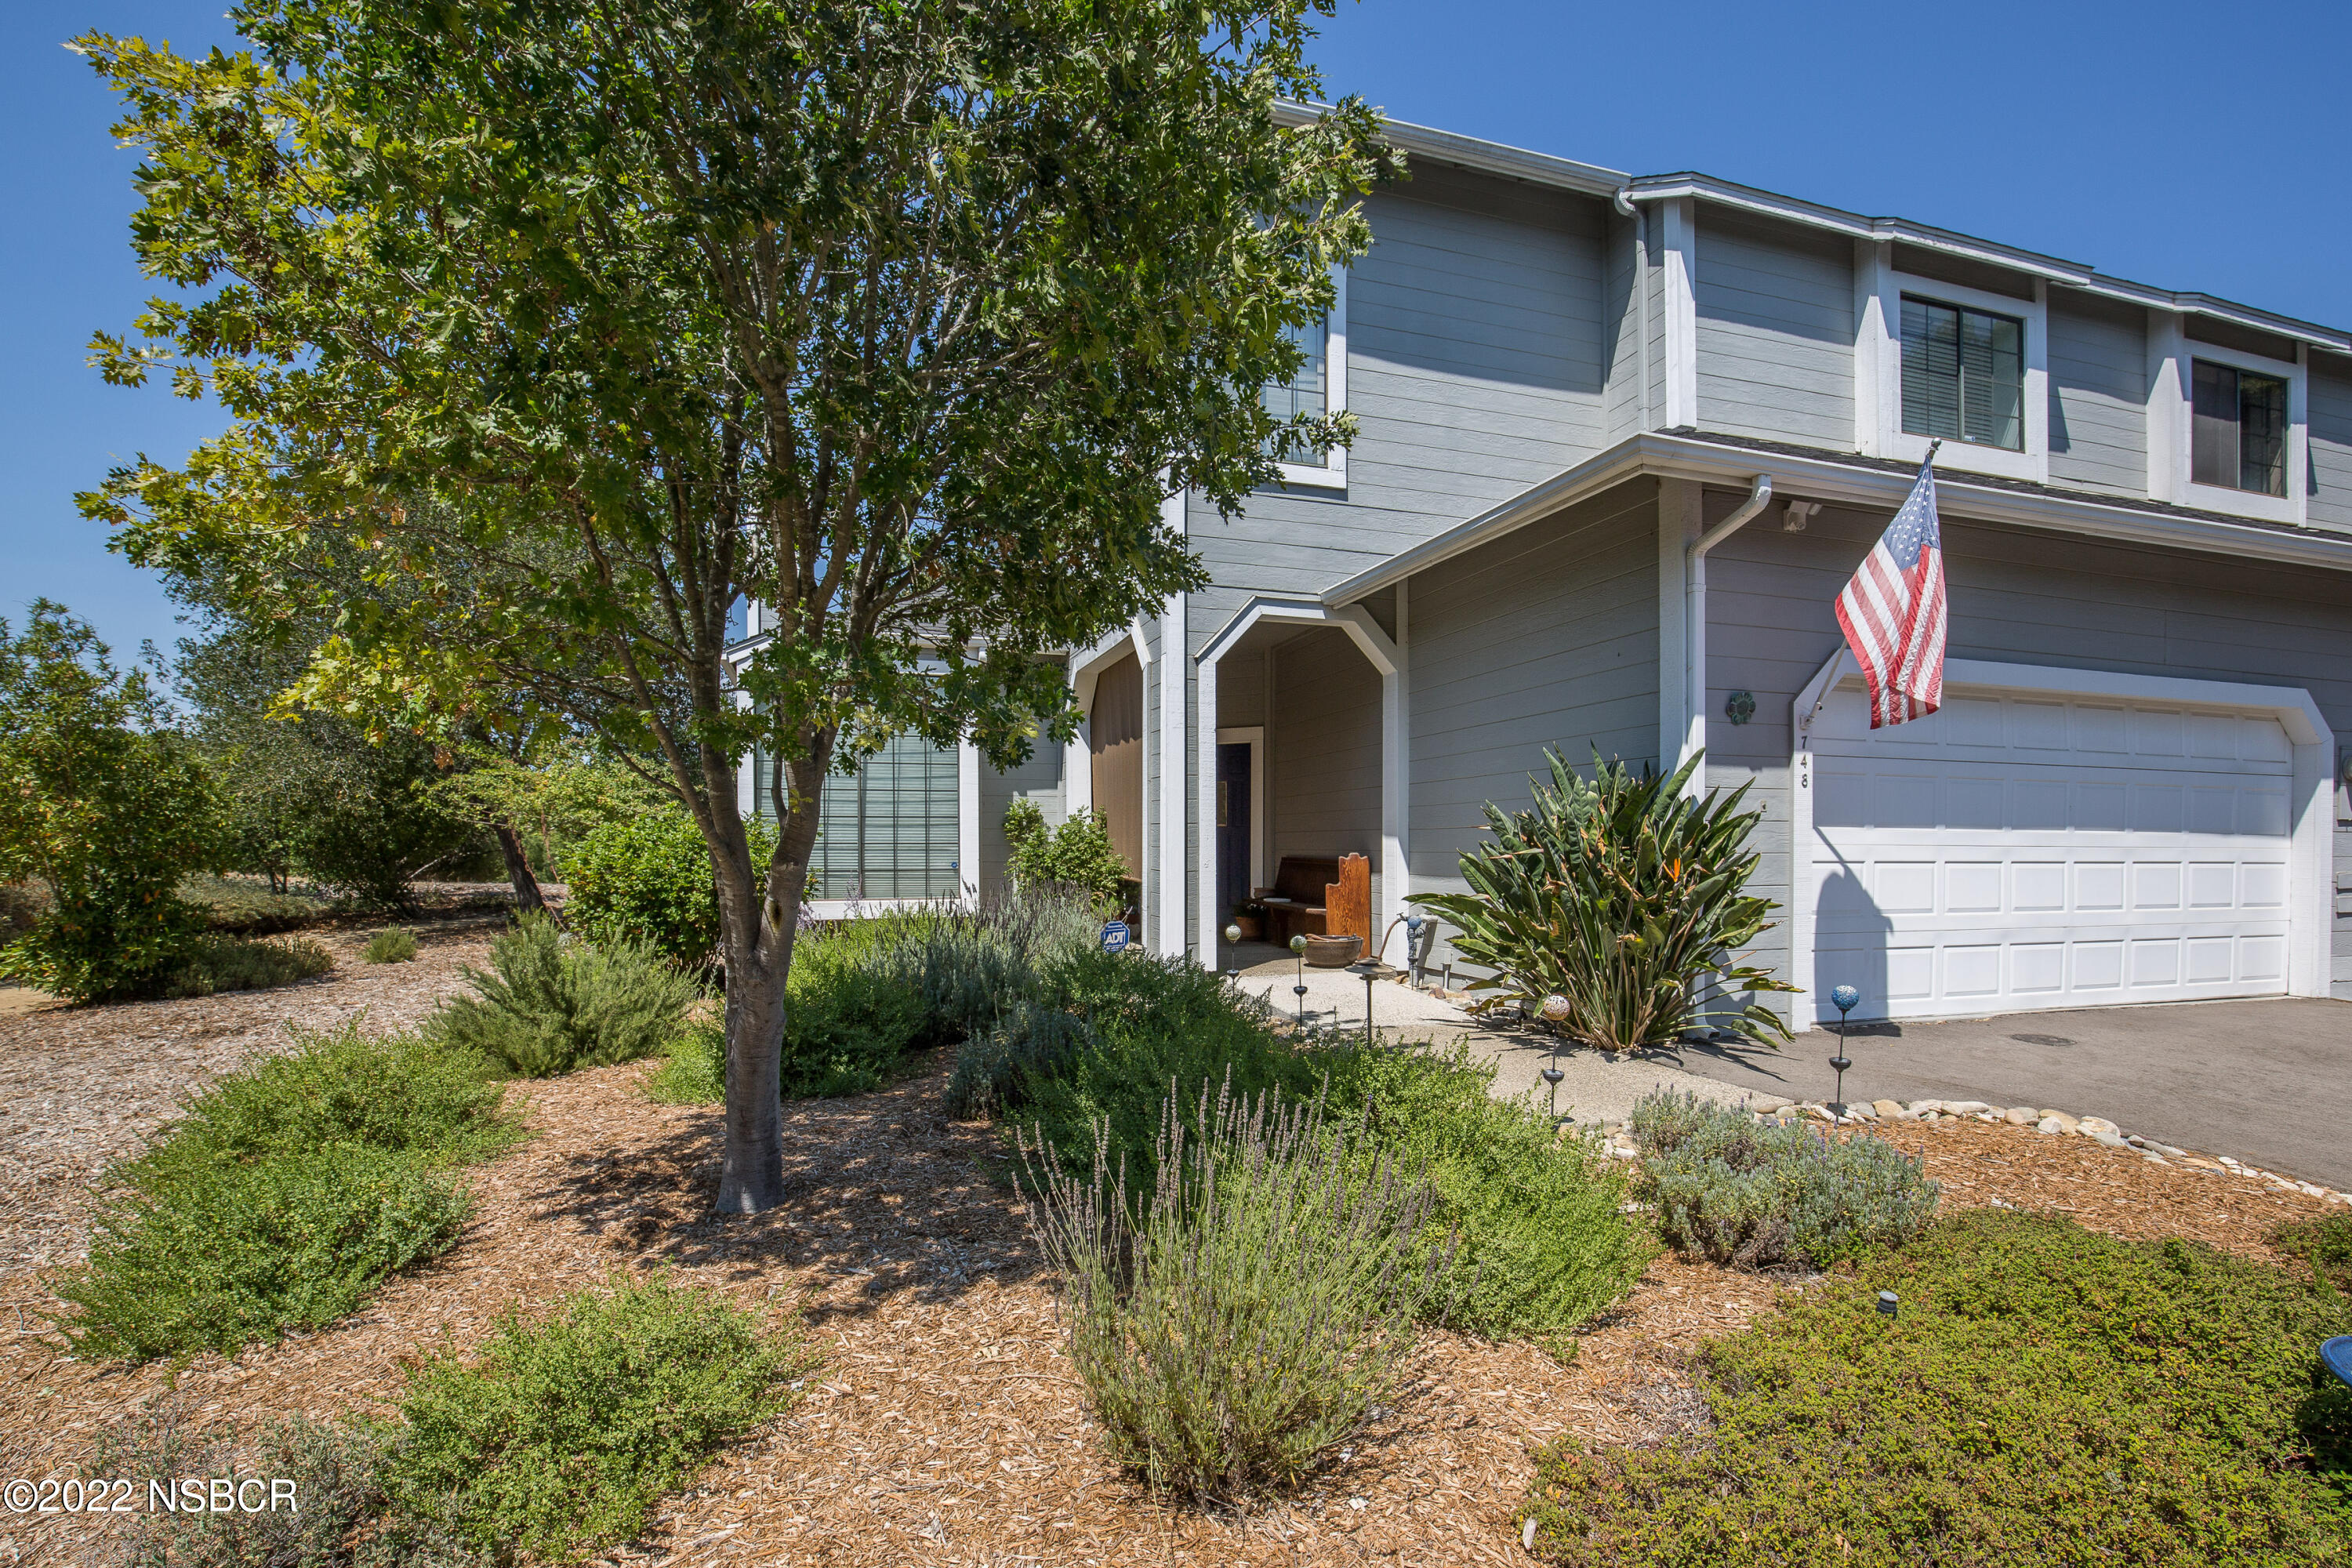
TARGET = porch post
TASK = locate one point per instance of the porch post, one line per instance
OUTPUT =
(968, 819)
(1210, 919)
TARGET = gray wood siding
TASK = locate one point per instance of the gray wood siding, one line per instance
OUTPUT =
(1038, 780)
(1548, 636)
(1775, 331)
(1323, 782)
(2329, 503)
(2021, 597)
(2099, 393)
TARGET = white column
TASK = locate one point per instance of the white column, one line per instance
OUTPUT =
(2168, 408)
(1211, 916)
(1678, 266)
(968, 818)
(1680, 521)
(1175, 662)
(1396, 776)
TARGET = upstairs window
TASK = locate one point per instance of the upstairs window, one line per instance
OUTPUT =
(1963, 374)
(2238, 429)
(1308, 393)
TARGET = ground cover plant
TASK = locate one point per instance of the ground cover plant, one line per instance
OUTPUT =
(2324, 1243)
(283, 1196)
(2047, 1394)
(549, 1003)
(1246, 1311)
(395, 945)
(559, 1435)
(1761, 1194)
(1622, 901)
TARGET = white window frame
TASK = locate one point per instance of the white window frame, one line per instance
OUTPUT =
(2178, 386)
(1878, 371)
(1332, 475)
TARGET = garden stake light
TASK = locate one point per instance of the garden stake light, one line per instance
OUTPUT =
(1234, 940)
(1298, 946)
(1846, 998)
(1555, 1008)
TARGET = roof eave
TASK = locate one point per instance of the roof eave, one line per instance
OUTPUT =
(1663, 456)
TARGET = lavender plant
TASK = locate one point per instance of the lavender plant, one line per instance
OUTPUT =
(1254, 1307)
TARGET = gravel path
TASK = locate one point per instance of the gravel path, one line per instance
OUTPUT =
(83, 1087)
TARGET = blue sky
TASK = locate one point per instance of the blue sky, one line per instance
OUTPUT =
(2191, 147)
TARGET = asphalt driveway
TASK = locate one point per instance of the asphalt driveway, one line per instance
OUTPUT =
(2269, 1082)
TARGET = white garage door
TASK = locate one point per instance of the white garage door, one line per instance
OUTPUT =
(2033, 851)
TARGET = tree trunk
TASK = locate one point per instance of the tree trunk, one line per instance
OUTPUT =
(760, 906)
(526, 886)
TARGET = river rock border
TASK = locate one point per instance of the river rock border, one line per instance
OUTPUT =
(2052, 1123)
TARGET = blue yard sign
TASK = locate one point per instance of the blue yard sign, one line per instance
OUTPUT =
(1115, 936)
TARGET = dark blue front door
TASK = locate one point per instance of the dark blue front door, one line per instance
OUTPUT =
(1232, 828)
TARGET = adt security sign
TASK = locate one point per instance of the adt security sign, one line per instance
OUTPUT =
(1115, 936)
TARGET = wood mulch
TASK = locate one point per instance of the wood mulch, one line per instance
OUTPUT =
(944, 1426)
(81, 1087)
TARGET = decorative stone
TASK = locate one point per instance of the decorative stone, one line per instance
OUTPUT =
(1886, 1108)
(2049, 1124)
(2019, 1115)
(2155, 1159)
(2109, 1139)
(2065, 1123)
(2099, 1124)
(1965, 1107)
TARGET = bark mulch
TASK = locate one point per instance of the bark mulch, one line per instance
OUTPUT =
(944, 1426)
(81, 1087)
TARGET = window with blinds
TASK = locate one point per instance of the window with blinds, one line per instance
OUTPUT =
(1963, 374)
(2238, 429)
(887, 833)
(1308, 393)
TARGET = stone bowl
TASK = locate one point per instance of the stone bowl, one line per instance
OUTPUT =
(1333, 952)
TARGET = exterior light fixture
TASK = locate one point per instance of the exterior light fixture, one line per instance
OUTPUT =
(1232, 939)
(1739, 707)
(1888, 1302)
(1298, 946)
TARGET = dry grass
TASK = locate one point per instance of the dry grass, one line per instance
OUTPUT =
(946, 1426)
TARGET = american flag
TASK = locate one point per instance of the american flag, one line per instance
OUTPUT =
(1892, 611)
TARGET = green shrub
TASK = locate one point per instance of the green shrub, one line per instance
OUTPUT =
(549, 1004)
(222, 1254)
(1248, 1311)
(397, 946)
(1536, 1213)
(694, 1068)
(2047, 1395)
(1623, 898)
(647, 879)
(1077, 855)
(212, 964)
(1761, 1194)
(561, 1436)
(2324, 1242)
(401, 1094)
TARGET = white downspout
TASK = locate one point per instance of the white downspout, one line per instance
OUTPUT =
(1759, 494)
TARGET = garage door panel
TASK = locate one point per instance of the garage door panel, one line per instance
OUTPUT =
(2039, 852)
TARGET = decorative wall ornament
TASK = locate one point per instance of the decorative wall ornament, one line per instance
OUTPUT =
(1739, 707)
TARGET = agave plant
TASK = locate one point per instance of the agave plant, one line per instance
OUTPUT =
(1624, 900)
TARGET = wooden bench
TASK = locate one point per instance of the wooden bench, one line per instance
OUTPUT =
(1319, 896)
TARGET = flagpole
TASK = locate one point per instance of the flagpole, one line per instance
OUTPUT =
(1934, 447)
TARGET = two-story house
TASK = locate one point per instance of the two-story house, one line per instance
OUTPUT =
(1623, 440)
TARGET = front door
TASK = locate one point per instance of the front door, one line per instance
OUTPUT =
(1232, 828)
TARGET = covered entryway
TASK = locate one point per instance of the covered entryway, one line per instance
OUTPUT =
(2043, 847)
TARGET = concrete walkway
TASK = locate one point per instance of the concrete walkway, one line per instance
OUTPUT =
(2268, 1082)
(1598, 1087)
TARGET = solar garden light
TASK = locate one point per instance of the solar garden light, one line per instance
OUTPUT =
(1233, 940)
(1888, 1301)
(1846, 998)
(1554, 1008)
(1298, 946)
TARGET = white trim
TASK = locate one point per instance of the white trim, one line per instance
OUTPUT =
(2168, 408)
(1842, 484)
(1681, 519)
(1873, 272)
(2311, 880)
(968, 819)
(1386, 658)
(1472, 152)
(2289, 508)
(1332, 474)
(1167, 926)
(1678, 264)
(1254, 737)
(1878, 372)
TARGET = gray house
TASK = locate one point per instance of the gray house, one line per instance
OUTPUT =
(1623, 439)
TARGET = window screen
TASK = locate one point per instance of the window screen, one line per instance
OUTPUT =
(1963, 374)
(887, 833)
(2238, 438)
(1307, 392)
